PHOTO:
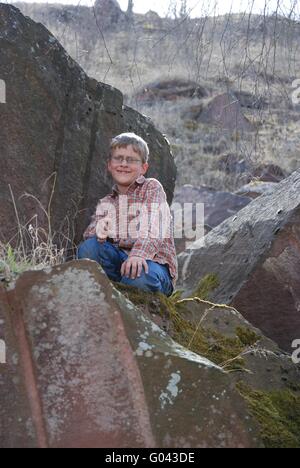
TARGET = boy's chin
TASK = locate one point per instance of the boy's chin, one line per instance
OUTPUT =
(124, 183)
(123, 179)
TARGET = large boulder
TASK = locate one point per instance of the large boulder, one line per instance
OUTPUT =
(256, 256)
(86, 368)
(218, 206)
(170, 90)
(223, 111)
(55, 129)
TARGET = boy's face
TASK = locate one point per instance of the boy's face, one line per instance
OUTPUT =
(126, 171)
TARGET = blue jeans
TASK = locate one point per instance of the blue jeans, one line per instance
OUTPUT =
(110, 257)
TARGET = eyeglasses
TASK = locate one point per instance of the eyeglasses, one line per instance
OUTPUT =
(129, 160)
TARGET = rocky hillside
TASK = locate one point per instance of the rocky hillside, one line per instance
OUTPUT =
(223, 89)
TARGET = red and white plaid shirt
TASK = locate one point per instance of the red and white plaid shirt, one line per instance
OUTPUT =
(149, 194)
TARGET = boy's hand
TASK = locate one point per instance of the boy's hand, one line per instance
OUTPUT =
(103, 229)
(136, 265)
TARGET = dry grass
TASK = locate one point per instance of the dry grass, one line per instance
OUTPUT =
(33, 247)
(197, 147)
(244, 53)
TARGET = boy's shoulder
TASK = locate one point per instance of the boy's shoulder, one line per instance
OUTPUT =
(152, 182)
(148, 183)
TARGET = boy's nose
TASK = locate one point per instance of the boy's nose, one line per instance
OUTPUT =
(124, 162)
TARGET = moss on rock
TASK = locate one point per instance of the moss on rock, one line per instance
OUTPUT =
(278, 414)
(169, 313)
(246, 336)
(206, 285)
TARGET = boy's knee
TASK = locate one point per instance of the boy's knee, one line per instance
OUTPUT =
(86, 248)
(144, 282)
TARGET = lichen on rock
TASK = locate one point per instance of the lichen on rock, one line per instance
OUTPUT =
(172, 316)
(240, 349)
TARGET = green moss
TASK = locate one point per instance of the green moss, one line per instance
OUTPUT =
(153, 304)
(208, 343)
(206, 285)
(278, 414)
(137, 296)
(247, 336)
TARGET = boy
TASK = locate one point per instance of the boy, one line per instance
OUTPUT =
(144, 258)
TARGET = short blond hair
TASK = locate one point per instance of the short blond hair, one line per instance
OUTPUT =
(126, 139)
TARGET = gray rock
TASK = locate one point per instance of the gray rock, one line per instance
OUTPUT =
(218, 206)
(95, 372)
(256, 256)
(223, 111)
(170, 90)
(266, 367)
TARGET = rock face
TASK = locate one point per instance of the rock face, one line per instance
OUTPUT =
(86, 368)
(55, 127)
(218, 206)
(256, 256)
(223, 111)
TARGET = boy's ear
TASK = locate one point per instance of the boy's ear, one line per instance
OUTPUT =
(108, 167)
(145, 168)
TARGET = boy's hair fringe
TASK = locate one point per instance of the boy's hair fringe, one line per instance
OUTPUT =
(126, 139)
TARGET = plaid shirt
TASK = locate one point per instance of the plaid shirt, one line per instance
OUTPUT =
(149, 194)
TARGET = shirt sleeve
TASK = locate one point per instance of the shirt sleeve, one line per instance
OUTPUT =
(91, 229)
(158, 227)
(98, 214)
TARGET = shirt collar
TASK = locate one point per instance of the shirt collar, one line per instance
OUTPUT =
(140, 180)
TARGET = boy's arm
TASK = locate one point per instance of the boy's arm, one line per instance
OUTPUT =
(91, 229)
(147, 246)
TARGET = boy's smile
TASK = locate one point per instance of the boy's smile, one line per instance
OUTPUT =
(125, 166)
